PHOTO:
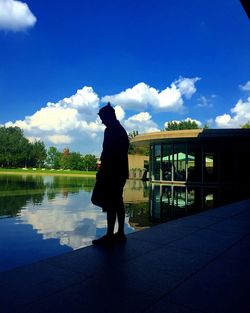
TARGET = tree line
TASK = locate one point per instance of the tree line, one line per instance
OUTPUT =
(17, 151)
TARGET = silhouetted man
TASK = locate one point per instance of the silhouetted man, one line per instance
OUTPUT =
(112, 176)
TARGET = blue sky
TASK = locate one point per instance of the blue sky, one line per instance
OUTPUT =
(156, 61)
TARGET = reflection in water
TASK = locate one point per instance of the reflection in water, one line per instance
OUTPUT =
(49, 215)
(16, 191)
(168, 202)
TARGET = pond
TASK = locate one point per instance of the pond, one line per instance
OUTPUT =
(43, 216)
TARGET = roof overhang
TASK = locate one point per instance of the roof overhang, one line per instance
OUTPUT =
(148, 138)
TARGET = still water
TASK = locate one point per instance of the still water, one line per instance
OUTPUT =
(43, 216)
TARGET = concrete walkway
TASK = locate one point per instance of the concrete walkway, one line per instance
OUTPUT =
(200, 263)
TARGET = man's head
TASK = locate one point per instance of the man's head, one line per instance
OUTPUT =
(107, 114)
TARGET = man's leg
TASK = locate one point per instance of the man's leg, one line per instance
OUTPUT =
(121, 218)
(109, 237)
(111, 217)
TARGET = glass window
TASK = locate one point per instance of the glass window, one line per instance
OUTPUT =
(179, 163)
(155, 202)
(211, 168)
(156, 164)
(227, 161)
(194, 162)
(167, 161)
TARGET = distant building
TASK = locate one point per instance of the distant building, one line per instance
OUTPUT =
(138, 164)
(198, 156)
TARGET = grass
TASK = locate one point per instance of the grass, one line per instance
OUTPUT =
(45, 171)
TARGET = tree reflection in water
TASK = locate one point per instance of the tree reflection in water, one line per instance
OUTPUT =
(16, 191)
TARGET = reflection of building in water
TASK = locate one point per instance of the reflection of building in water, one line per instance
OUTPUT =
(136, 197)
(168, 202)
(135, 191)
(138, 215)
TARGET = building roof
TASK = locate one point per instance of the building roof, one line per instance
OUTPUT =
(147, 138)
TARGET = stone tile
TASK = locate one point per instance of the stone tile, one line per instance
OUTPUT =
(229, 210)
(240, 250)
(32, 282)
(154, 282)
(223, 286)
(92, 259)
(164, 306)
(200, 220)
(176, 263)
(163, 234)
(207, 241)
(233, 225)
(196, 264)
(91, 296)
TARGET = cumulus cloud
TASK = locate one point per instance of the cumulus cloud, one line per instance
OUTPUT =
(85, 101)
(245, 87)
(186, 86)
(58, 139)
(62, 122)
(15, 15)
(73, 121)
(142, 96)
(51, 118)
(141, 122)
(119, 112)
(240, 114)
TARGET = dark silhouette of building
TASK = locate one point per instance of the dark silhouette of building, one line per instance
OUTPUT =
(199, 156)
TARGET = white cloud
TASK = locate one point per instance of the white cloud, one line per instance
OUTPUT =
(141, 122)
(137, 97)
(15, 15)
(186, 86)
(240, 114)
(245, 87)
(119, 112)
(74, 122)
(142, 96)
(59, 139)
(51, 118)
(205, 102)
(85, 101)
(141, 117)
(70, 120)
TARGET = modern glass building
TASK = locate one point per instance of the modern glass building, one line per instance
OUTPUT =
(198, 156)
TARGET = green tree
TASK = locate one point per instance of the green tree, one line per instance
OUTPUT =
(38, 153)
(89, 162)
(14, 147)
(75, 161)
(131, 135)
(53, 158)
(134, 149)
(246, 125)
(182, 125)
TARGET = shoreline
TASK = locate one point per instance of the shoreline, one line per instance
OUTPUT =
(53, 173)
